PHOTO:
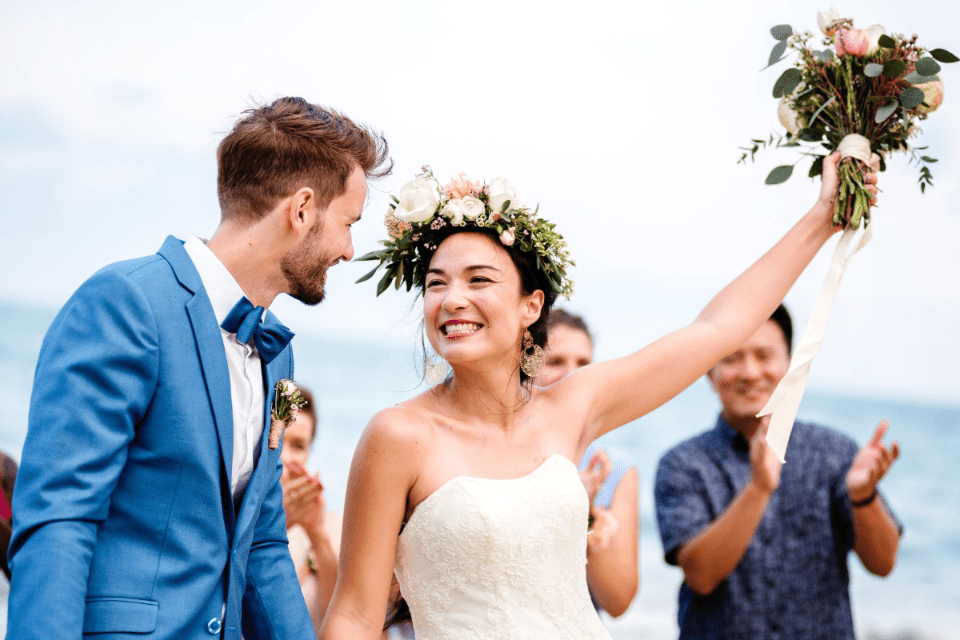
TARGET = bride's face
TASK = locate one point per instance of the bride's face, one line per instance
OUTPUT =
(473, 304)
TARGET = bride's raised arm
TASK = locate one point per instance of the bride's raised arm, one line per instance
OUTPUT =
(620, 391)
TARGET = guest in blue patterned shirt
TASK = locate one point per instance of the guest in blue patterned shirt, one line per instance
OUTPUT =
(764, 547)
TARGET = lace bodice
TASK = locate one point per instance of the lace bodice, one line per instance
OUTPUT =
(487, 559)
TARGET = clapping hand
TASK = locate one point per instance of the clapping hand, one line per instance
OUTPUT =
(764, 464)
(303, 498)
(596, 473)
(870, 465)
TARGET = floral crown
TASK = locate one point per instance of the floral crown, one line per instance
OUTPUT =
(417, 220)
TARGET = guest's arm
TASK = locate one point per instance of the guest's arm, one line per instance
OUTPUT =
(877, 535)
(319, 580)
(613, 573)
(712, 555)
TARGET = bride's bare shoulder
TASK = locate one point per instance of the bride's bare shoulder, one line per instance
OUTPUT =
(406, 426)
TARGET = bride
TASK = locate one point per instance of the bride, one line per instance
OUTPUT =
(470, 491)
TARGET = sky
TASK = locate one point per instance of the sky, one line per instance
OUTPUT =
(622, 120)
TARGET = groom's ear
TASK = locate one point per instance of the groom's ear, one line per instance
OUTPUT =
(302, 211)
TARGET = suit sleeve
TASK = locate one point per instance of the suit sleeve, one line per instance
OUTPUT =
(95, 377)
(273, 602)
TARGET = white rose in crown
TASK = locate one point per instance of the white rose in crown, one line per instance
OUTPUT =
(500, 192)
(454, 211)
(471, 207)
(418, 201)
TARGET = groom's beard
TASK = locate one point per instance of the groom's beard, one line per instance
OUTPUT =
(305, 269)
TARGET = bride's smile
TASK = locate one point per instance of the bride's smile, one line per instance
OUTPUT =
(473, 301)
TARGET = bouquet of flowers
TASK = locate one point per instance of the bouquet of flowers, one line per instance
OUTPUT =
(863, 94)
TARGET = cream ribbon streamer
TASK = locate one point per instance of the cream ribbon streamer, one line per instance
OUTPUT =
(785, 401)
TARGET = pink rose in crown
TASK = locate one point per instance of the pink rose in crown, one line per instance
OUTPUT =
(854, 42)
(461, 187)
(507, 237)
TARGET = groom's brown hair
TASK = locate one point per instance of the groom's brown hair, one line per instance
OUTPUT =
(288, 144)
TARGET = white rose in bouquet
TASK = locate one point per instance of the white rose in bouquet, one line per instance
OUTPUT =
(500, 192)
(418, 201)
(825, 20)
(873, 34)
(788, 117)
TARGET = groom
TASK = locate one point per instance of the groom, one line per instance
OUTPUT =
(148, 500)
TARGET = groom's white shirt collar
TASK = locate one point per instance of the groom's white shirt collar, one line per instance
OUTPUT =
(243, 363)
(221, 287)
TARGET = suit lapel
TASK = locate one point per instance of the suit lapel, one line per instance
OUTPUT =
(213, 361)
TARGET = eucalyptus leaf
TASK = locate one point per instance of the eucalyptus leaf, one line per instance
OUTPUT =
(786, 83)
(373, 255)
(893, 68)
(886, 111)
(776, 55)
(780, 174)
(927, 67)
(822, 107)
(887, 42)
(368, 276)
(816, 168)
(781, 31)
(824, 56)
(944, 56)
(384, 282)
(916, 78)
(506, 205)
(911, 98)
(873, 70)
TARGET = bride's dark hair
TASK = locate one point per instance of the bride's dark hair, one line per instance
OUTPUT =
(531, 278)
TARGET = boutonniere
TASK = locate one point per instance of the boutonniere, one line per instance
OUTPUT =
(287, 402)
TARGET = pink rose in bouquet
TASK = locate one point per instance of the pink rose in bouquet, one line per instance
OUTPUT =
(932, 96)
(852, 42)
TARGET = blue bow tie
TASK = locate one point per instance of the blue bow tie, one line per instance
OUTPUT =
(270, 338)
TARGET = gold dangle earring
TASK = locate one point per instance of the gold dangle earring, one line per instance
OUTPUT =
(531, 356)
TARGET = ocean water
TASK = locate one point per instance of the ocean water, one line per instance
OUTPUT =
(352, 381)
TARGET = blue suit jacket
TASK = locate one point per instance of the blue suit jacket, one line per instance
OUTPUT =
(123, 518)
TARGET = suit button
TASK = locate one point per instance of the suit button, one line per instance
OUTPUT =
(214, 626)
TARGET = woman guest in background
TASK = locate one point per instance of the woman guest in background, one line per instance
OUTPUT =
(313, 531)
(609, 475)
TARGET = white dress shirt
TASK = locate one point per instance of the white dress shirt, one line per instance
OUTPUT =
(243, 363)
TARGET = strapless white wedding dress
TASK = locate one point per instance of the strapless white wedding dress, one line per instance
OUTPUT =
(487, 559)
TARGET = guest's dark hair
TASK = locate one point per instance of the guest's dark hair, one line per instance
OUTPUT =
(782, 317)
(288, 144)
(309, 409)
(560, 317)
(531, 278)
